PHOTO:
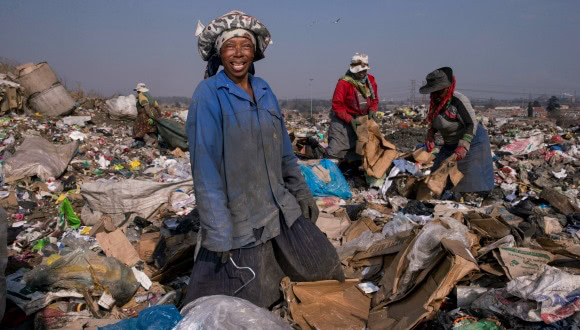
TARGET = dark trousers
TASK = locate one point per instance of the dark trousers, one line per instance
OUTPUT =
(301, 252)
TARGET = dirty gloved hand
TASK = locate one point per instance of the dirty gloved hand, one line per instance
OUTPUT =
(224, 256)
(150, 122)
(354, 124)
(373, 115)
(309, 208)
(460, 153)
(430, 140)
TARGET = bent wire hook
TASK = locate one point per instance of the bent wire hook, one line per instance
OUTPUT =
(240, 268)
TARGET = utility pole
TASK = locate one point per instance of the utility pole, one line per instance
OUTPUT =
(423, 96)
(412, 94)
(311, 115)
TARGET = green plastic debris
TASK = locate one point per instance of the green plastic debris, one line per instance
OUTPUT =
(40, 244)
(479, 325)
(66, 211)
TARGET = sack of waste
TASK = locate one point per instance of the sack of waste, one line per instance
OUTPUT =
(122, 107)
(173, 133)
(85, 269)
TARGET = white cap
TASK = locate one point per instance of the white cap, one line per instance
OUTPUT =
(141, 88)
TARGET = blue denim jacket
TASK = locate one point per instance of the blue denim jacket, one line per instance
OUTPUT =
(244, 168)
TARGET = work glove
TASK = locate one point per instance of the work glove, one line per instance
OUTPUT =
(150, 122)
(460, 152)
(309, 208)
(373, 115)
(430, 140)
(354, 124)
(224, 256)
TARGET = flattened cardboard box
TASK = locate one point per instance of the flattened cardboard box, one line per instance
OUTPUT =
(521, 261)
(327, 304)
(430, 288)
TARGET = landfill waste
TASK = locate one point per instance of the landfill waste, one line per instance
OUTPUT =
(103, 234)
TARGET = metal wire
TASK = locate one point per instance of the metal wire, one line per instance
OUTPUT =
(241, 268)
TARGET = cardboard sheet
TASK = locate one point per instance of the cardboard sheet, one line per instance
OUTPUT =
(357, 228)
(487, 226)
(333, 226)
(422, 156)
(377, 153)
(117, 245)
(522, 261)
(327, 304)
(147, 245)
(404, 310)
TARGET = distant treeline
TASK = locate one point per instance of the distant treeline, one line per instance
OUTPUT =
(174, 100)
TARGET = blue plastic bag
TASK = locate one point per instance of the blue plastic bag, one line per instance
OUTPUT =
(158, 317)
(336, 187)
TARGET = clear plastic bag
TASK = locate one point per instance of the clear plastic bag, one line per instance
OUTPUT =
(337, 185)
(427, 246)
(224, 312)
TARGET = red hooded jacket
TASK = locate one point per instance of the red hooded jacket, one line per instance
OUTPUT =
(345, 100)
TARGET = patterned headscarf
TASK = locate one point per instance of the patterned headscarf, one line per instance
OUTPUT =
(227, 35)
(208, 35)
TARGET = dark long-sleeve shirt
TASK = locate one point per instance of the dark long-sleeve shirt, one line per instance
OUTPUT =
(458, 123)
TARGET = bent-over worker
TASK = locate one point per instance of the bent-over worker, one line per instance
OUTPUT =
(451, 114)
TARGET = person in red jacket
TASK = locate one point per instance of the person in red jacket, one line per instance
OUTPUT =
(355, 95)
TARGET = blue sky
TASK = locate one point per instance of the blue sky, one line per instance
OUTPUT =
(524, 46)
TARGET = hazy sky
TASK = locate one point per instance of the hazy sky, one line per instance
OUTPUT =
(493, 45)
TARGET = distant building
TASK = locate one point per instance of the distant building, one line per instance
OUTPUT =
(540, 112)
(508, 108)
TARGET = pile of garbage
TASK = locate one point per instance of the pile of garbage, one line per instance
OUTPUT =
(101, 234)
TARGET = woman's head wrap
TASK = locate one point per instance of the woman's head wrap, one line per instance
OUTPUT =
(234, 20)
(359, 62)
(227, 35)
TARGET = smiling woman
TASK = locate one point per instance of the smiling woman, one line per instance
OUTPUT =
(257, 213)
(237, 55)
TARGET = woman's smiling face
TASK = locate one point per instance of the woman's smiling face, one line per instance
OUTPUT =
(237, 55)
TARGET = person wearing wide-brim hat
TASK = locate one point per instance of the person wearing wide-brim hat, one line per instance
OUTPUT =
(147, 112)
(451, 114)
(355, 96)
(255, 208)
